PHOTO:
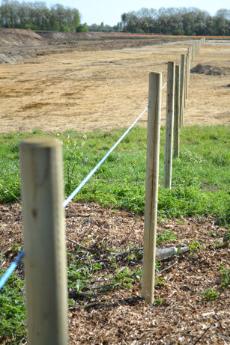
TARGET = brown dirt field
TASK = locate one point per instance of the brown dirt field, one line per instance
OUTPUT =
(120, 316)
(87, 90)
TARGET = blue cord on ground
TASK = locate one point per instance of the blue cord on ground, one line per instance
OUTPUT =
(10, 270)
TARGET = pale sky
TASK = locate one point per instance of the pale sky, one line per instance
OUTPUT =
(109, 12)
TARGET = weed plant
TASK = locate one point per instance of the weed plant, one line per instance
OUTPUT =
(210, 294)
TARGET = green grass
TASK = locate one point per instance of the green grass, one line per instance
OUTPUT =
(165, 236)
(12, 312)
(201, 178)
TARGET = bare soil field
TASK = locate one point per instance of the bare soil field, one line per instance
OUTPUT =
(105, 89)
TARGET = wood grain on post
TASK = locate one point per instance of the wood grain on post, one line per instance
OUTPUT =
(182, 87)
(44, 238)
(176, 146)
(151, 193)
(169, 125)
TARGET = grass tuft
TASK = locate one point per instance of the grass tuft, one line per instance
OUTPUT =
(210, 294)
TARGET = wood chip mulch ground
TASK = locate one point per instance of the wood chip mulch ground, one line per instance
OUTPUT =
(121, 316)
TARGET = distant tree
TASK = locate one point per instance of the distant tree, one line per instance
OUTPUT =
(82, 28)
(117, 27)
(223, 12)
(222, 26)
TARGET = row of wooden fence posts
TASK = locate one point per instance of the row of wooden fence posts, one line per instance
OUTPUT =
(178, 79)
(177, 94)
(43, 213)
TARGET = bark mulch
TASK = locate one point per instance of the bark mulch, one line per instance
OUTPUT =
(182, 315)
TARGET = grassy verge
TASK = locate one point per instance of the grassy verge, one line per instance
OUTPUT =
(201, 178)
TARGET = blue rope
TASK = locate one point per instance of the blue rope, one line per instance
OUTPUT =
(10, 270)
(4, 278)
(94, 170)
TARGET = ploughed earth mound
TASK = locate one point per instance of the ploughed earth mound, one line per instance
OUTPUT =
(18, 44)
(210, 70)
(72, 37)
(19, 37)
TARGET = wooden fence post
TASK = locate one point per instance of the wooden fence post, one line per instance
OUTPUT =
(151, 193)
(198, 47)
(182, 87)
(176, 146)
(185, 78)
(44, 239)
(169, 125)
(188, 68)
(193, 51)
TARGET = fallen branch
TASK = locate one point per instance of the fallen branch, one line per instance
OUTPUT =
(167, 253)
(162, 253)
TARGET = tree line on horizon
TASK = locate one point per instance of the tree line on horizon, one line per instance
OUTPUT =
(177, 21)
(38, 16)
(171, 21)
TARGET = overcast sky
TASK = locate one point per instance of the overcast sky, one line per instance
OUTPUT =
(109, 12)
